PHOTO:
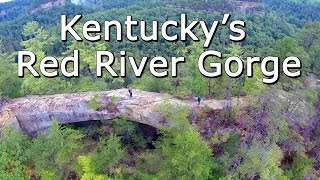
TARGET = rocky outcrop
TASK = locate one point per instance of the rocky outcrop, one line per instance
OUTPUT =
(2, 13)
(248, 6)
(3, 102)
(33, 114)
(49, 5)
(312, 81)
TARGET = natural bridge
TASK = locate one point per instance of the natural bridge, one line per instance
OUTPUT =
(33, 114)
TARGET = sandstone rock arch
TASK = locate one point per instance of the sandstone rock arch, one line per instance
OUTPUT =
(33, 114)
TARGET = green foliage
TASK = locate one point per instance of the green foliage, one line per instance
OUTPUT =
(89, 168)
(283, 30)
(295, 11)
(104, 163)
(85, 84)
(184, 156)
(287, 47)
(94, 103)
(39, 33)
(254, 85)
(13, 158)
(311, 96)
(262, 161)
(110, 152)
(178, 115)
(44, 86)
(301, 166)
(151, 83)
(232, 146)
(309, 37)
(9, 82)
(180, 153)
(53, 153)
(191, 78)
(315, 56)
(129, 134)
(114, 99)
(280, 115)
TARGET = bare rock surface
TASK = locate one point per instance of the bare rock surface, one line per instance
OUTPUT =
(48, 5)
(312, 81)
(33, 114)
(249, 6)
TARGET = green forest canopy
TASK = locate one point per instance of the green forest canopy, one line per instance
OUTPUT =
(269, 139)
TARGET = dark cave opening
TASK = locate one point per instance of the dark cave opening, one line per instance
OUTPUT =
(94, 130)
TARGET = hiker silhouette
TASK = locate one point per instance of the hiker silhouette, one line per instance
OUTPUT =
(130, 92)
(198, 100)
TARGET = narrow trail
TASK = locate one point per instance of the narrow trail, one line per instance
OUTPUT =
(33, 114)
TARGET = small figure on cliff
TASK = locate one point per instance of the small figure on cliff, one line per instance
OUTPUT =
(130, 92)
(198, 100)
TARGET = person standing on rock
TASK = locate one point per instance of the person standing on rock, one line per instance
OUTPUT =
(199, 100)
(130, 92)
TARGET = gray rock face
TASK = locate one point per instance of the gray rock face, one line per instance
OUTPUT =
(33, 114)
(3, 102)
(249, 6)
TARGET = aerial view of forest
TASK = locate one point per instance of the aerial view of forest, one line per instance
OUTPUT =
(183, 125)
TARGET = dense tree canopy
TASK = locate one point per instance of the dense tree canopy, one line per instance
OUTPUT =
(274, 136)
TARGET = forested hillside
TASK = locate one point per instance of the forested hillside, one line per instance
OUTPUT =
(275, 135)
